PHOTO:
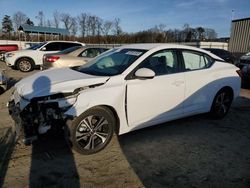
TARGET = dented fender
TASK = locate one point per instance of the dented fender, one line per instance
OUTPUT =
(114, 98)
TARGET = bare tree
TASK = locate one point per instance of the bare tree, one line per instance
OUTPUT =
(56, 17)
(19, 18)
(74, 27)
(92, 23)
(49, 23)
(82, 21)
(107, 27)
(41, 18)
(117, 28)
(67, 20)
(99, 26)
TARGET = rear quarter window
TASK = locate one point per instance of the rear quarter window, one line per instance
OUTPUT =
(196, 60)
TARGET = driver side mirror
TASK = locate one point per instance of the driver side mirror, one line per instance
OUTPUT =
(145, 73)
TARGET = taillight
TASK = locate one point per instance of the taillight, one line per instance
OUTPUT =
(52, 59)
(239, 73)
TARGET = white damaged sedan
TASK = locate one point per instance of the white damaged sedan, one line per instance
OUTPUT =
(124, 89)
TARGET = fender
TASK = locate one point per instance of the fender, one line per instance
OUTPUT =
(94, 97)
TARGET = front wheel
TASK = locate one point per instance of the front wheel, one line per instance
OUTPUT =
(92, 130)
(25, 65)
(221, 103)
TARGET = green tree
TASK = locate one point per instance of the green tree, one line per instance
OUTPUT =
(29, 22)
(7, 26)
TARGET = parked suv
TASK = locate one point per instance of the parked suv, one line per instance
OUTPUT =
(7, 48)
(224, 54)
(26, 60)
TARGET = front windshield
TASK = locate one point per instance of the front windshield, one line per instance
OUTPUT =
(36, 46)
(112, 62)
(69, 50)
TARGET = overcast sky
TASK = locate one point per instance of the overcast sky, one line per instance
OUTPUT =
(137, 15)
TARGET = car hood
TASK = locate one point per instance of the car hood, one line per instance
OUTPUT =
(54, 81)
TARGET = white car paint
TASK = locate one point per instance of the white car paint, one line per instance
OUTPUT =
(138, 103)
(36, 55)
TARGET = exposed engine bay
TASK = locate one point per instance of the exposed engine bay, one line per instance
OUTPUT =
(41, 115)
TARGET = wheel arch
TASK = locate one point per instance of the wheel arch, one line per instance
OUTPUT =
(115, 114)
(228, 88)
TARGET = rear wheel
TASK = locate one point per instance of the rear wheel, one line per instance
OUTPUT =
(92, 130)
(2, 55)
(25, 65)
(221, 103)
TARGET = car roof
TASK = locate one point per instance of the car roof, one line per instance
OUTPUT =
(62, 41)
(66, 42)
(159, 46)
(150, 46)
(219, 49)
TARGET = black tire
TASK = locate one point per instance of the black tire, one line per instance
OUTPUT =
(1, 90)
(221, 103)
(25, 65)
(91, 131)
(2, 55)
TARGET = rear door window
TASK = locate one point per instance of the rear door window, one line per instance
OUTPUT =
(90, 52)
(66, 45)
(53, 46)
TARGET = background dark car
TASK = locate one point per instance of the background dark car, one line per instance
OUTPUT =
(244, 60)
(245, 77)
(224, 54)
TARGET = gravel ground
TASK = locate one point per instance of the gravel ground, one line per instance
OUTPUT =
(191, 152)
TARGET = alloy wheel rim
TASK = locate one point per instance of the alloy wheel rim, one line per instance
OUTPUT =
(222, 103)
(25, 65)
(92, 132)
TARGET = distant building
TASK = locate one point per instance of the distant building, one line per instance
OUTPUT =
(46, 31)
(240, 36)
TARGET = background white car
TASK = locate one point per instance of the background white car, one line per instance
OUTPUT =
(125, 89)
(26, 60)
